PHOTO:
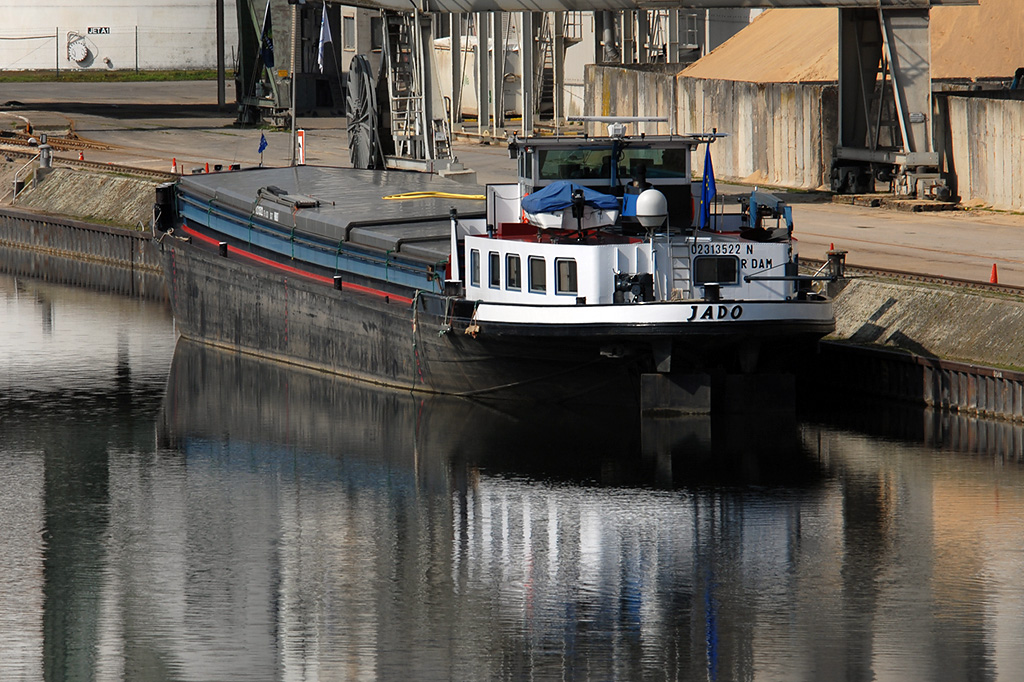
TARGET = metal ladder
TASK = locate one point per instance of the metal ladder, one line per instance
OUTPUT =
(679, 255)
(405, 92)
(414, 136)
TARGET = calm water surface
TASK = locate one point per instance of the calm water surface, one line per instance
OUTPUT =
(177, 513)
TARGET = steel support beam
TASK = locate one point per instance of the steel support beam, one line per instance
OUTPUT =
(529, 24)
(616, 5)
(885, 103)
(221, 94)
(497, 75)
(558, 67)
(455, 31)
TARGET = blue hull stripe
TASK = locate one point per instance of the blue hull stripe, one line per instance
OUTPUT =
(344, 259)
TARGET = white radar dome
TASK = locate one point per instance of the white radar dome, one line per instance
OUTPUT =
(651, 208)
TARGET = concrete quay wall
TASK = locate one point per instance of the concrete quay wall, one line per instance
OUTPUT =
(948, 348)
(59, 249)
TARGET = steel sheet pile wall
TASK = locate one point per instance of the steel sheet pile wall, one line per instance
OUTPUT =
(955, 386)
(987, 138)
(780, 134)
(618, 91)
(69, 251)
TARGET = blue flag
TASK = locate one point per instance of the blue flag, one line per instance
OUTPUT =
(263, 143)
(708, 190)
(267, 40)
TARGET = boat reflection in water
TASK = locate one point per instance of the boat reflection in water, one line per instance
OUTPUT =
(284, 525)
(362, 532)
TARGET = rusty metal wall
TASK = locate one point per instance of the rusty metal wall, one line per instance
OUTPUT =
(68, 251)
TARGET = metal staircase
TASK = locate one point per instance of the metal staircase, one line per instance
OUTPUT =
(418, 132)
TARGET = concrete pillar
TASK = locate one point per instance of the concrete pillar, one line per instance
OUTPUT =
(483, 70)
(643, 31)
(529, 24)
(673, 37)
(628, 42)
(455, 32)
(558, 68)
(497, 73)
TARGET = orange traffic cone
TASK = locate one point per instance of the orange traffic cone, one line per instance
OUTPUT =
(174, 164)
(81, 156)
(207, 166)
(994, 279)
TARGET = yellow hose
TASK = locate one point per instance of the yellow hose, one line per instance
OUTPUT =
(434, 195)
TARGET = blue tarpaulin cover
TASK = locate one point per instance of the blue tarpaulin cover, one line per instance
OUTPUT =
(558, 196)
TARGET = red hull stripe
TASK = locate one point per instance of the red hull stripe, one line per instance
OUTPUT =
(295, 271)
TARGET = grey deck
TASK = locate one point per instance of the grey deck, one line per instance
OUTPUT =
(352, 207)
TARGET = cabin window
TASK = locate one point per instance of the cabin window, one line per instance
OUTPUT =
(576, 163)
(474, 268)
(657, 163)
(538, 276)
(716, 270)
(565, 272)
(494, 269)
(512, 280)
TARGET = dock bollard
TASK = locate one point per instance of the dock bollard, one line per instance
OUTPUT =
(837, 262)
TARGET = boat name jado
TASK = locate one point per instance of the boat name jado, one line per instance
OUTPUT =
(714, 312)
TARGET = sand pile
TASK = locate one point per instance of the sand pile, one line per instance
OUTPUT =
(802, 45)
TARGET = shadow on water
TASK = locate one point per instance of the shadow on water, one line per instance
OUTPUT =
(216, 395)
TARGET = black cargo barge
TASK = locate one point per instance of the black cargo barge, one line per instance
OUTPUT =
(573, 280)
(386, 319)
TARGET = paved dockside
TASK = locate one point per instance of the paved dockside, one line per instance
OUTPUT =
(150, 124)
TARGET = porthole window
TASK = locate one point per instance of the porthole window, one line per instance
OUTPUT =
(512, 280)
(494, 269)
(538, 277)
(565, 272)
(474, 268)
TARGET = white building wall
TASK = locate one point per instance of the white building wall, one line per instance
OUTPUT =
(126, 34)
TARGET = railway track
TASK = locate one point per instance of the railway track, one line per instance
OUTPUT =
(96, 165)
(61, 143)
(903, 275)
